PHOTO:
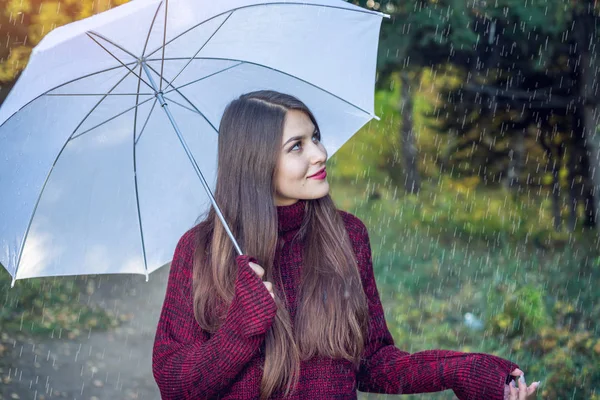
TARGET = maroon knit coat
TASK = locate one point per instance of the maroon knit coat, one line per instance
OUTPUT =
(189, 363)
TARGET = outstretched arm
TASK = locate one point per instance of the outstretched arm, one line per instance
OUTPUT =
(386, 369)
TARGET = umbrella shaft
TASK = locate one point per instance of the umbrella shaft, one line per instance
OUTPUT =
(165, 107)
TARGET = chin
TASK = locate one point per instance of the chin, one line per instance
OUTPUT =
(317, 194)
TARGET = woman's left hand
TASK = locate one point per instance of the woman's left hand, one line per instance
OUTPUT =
(522, 392)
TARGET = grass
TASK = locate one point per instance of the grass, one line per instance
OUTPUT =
(50, 307)
(455, 249)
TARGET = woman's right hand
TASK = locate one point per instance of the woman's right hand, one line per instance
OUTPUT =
(260, 271)
(522, 392)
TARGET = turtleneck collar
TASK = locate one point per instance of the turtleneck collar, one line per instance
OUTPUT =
(290, 217)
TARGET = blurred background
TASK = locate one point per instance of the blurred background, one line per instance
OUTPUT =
(479, 186)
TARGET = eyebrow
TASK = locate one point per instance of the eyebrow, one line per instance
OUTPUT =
(298, 137)
(293, 138)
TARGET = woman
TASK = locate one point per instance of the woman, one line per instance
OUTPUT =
(315, 328)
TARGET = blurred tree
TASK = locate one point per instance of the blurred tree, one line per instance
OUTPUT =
(23, 23)
(527, 82)
(420, 33)
(586, 33)
(412, 179)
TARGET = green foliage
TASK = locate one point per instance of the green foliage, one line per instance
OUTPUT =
(523, 309)
(374, 148)
(546, 17)
(533, 299)
(425, 32)
(49, 306)
(535, 302)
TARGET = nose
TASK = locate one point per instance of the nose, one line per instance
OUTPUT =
(318, 154)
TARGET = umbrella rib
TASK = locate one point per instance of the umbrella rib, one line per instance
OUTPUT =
(147, 119)
(110, 119)
(50, 173)
(155, 99)
(199, 50)
(150, 30)
(186, 99)
(204, 77)
(115, 57)
(46, 93)
(98, 103)
(180, 105)
(137, 197)
(162, 64)
(111, 42)
(98, 94)
(279, 71)
(270, 4)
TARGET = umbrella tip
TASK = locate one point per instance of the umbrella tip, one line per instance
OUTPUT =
(12, 284)
(146, 277)
(376, 117)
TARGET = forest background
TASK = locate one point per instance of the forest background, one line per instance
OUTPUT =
(480, 184)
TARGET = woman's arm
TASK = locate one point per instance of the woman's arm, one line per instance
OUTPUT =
(188, 363)
(386, 369)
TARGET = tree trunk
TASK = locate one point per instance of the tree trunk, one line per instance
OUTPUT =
(593, 139)
(588, 88)
(589, 206)
(576, 165)
(574, 188)
(556, 194)
(412, 180)
(515, 163)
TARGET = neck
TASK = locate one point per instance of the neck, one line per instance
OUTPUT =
(289, 218)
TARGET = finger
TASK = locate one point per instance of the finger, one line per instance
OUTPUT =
(522, 388)
(257, 269)
(517, 372)
(269, 286)
(514, 392)
(532, 389)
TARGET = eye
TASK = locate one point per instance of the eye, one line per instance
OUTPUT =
(317, 134)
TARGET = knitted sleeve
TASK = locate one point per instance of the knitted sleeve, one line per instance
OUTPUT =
(187, 362)
(386, 369)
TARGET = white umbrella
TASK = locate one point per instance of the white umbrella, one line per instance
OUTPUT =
(95, 176)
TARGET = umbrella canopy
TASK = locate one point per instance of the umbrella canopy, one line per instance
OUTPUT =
(95, 171)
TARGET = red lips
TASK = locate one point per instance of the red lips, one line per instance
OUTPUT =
(319, 175)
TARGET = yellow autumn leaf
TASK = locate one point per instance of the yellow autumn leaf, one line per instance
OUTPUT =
(14, 8)
(15, 63)
(48, 18)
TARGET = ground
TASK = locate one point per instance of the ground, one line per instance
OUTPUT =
(98, 365)
(113, 364)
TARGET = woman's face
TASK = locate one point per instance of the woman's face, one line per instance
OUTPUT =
(301, 156)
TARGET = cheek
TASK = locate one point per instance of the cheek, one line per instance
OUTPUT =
(292, 170)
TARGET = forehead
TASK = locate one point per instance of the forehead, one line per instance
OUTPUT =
(297, 123)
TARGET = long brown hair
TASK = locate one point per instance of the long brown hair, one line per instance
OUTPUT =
(331, 318)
